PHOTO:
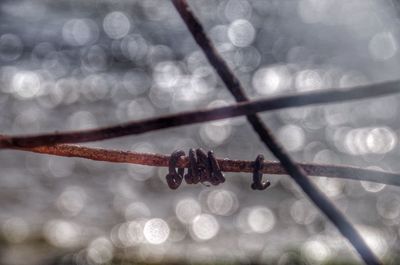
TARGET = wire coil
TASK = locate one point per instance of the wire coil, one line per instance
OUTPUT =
(203, 168)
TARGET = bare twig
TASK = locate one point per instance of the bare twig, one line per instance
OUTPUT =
(227, 165)
(296, 172)
(192, 117)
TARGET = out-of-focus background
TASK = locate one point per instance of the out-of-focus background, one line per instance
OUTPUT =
(81, 64)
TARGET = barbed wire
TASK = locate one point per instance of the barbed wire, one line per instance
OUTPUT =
(226, 164)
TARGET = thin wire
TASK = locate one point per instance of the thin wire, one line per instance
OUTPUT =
(296, 172)
(203, 115)
(226, 164)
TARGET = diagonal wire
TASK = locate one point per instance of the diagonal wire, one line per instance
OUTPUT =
(203, 115)
(296, 172)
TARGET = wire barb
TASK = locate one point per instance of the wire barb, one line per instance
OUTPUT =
(174, 178)
(258, 184)
(203, 168)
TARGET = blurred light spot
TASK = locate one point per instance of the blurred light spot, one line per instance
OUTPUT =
(388, 206)
(375, 240)
(156, 10)
(156, 231)
(335, 116)
(134, 47)
(203, 80)
(42, 49)
(166, 75)
(384, 108)
(313, 11)
(187, 209)
(95, 59)
(136, 82)
(270, 80)
(26, 11)
(241, 33)
(59, 167)
(205, 227)
(292, 137)
(219, 34)
(368, 140)
(216, 132)
(116, 25)
(29, 120)
(100, 251)
(10, 47)
(308, 80)
(81, 120)
(247, 59)
(316, 251)
(222, 202)
(381, 140)
(94, 87)
(355, 141)
(177, 230)
(261, 219)
(201, 253)
(139, 108)
(137, 210)
(158, 53)
(152, 254)
(332, 187)
(67, 89)
(352, 79)
(326, 157)
(383, 46)
(195, 60)
(15, 230)
(72, 200)
(26, 84)
(303, 212)
(56, 63)
(129, 234)
(214, 135)
(242, 221)
(236, 9)
(62, 233)
(78, 32)
(372, 186)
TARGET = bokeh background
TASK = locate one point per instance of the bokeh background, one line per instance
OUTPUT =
(81, 64)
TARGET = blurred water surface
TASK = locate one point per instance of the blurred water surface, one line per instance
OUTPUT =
(81, 64)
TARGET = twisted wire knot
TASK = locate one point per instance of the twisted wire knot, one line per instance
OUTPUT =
(203, 168)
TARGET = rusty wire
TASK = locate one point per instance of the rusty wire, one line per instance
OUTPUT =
(226, 164)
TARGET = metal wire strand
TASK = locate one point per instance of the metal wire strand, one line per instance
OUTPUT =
(298, 175)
